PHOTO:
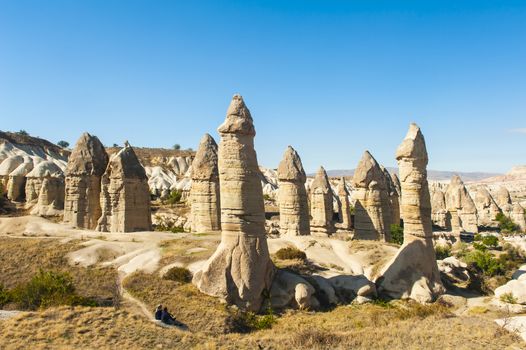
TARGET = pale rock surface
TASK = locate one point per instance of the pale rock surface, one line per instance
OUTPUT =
(321, 205)
(36, 176)
(84, 171)
(394, 197)
(293, 200)
(345, 206)
(413, 272)
(439, 212)
(503, 200)
(454, 269)
(125, 196)
(517, 216)
(291, 290)
(240, 270)
(372, 209)
(460, 205)
(487, 208)
(204, 195)
(45, 188)
(16, 182)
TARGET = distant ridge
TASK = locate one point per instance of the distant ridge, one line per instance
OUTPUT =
(435, 175)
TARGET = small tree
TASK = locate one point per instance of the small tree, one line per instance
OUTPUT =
(506, 225)
(23, 132)
(177, 147)
(397, 234)
(174, 197)
(115, 145)
(63, 144)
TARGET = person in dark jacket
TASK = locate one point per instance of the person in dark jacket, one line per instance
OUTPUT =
(159, 312)
(167, 317)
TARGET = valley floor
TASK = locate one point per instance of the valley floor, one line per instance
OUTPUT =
(105, 265)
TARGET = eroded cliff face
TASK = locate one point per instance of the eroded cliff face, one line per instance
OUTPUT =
(125, 197)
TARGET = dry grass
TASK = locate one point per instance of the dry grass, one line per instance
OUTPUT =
(398, 325)
(21, 259)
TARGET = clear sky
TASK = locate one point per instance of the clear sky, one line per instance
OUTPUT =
(330, 78)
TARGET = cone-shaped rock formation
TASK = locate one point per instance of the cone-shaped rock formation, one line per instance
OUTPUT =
(321, 199)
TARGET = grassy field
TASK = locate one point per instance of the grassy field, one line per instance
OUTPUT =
(213, 325)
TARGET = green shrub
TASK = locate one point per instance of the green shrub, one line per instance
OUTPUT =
(48, 288)
(442, 252)
(479, 246)
(506, 225)
(397, 234)
(290, 253)
(23, 132)
(490, 241)
(178, 274)
(508, 298)
(63, 144)
(267, 197)
(5, 295)
(174, 197)
(477, 237)
(485, 262)
(177, 147)
(246, 321)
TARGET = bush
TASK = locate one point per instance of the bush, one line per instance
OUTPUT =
(246, 321)
(178, 274)
(480, 246)
(506, 225)
(48, 289)
(397, 234)
(508, 298)
(442, 252)
(63, 144)
(177, 147)
(485, 262)
(5, 295)
(267, 197)
(490, 241)
(174, 197)
(23, 133)
(290, 253)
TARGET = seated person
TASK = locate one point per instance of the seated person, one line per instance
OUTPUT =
(168, 318)
(159, 312)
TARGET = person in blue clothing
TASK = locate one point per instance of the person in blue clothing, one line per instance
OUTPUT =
(159, 312)
(168, 318)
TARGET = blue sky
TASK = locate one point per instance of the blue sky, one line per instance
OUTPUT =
(330, 78)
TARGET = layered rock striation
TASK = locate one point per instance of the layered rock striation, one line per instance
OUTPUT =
(321, 205)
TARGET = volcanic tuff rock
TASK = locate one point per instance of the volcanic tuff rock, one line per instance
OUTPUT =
(345, 206)
(45, 188)
(372, 212)
(394, 197)
(86, 164)
(204, 195)
(321, 208)
(517, 216)
(16, 182)
(125, 197)
(293, 200)
(413, 272)
(503, 200)
(487, 208)
(240, 270)
(460, 204)
(439, 212)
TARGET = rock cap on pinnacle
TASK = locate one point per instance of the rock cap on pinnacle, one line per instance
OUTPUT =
(238, 119)
(88, 157)
(290, 167)
(321, 180)
(125, 164)
(204, 166)
(413, 146)
(368, 170)
(342, 188)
